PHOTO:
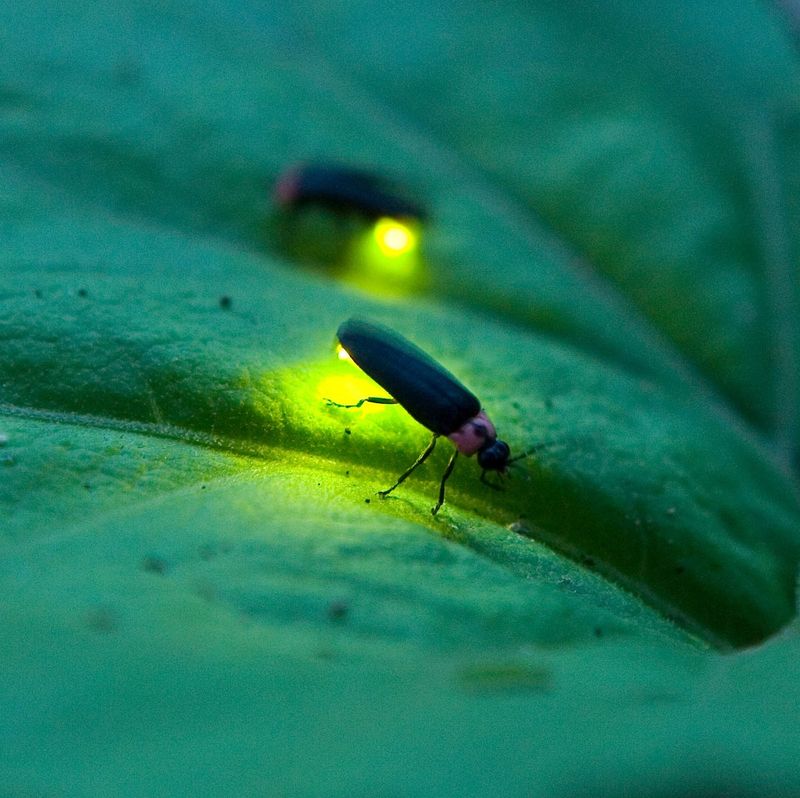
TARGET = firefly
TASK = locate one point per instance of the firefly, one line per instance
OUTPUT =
(345, 189)
(429, 393)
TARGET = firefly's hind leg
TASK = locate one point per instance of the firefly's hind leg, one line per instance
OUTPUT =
(377, 400)
(447, 472)
(418, 462)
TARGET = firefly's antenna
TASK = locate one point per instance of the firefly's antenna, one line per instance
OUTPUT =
(537, 448)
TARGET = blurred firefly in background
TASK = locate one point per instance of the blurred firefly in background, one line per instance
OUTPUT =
(341, 188)
(353, 220)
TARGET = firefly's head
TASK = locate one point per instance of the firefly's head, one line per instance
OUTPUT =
(478, 436)
(494, 456)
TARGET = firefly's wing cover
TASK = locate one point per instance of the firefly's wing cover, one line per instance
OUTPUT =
(427, 390)
(341, 188)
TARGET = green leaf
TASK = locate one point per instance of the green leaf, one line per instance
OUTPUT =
(659, 145)
(196, 567)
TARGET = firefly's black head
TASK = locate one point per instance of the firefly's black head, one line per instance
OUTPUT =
(494, 456)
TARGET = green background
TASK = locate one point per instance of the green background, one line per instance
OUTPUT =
(202, 594)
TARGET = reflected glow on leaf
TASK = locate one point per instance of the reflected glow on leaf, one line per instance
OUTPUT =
(347, 389)
(351, 385)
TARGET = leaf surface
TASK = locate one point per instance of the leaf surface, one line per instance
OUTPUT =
(192, 547)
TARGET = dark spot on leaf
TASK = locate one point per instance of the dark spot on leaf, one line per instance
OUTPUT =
(347, 431)
(521, 527)
(127, 73)
(548, 403)
(37, 293)
(492, 677)
(154, 564)
(225, 302)
(87, 486)
(679, 569)
(207, 552)
(102, 620)
(366, 501)
(202, 487)
(337, 610)
(347, 473)
(82, 292)
(206, 591)
(598, 632)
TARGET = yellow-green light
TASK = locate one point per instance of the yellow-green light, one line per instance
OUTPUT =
(385, 258)
(342, 353)
(349, 385)
(394, 238)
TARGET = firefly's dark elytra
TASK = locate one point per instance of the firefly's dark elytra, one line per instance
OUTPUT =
(428, 392)
(425, 388)
(342, 188)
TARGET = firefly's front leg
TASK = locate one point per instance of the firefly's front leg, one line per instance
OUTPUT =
(377, 400)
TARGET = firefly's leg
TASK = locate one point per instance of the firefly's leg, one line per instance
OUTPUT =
(378, 400)
(447, 472)
(418, 462)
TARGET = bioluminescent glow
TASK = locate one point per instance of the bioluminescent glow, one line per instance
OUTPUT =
(349, 384)
(385, 259)
(394, 238)
(348, 389)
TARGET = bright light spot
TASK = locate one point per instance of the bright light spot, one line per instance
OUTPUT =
(394, 238)
(385, 259)
(342, 353)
